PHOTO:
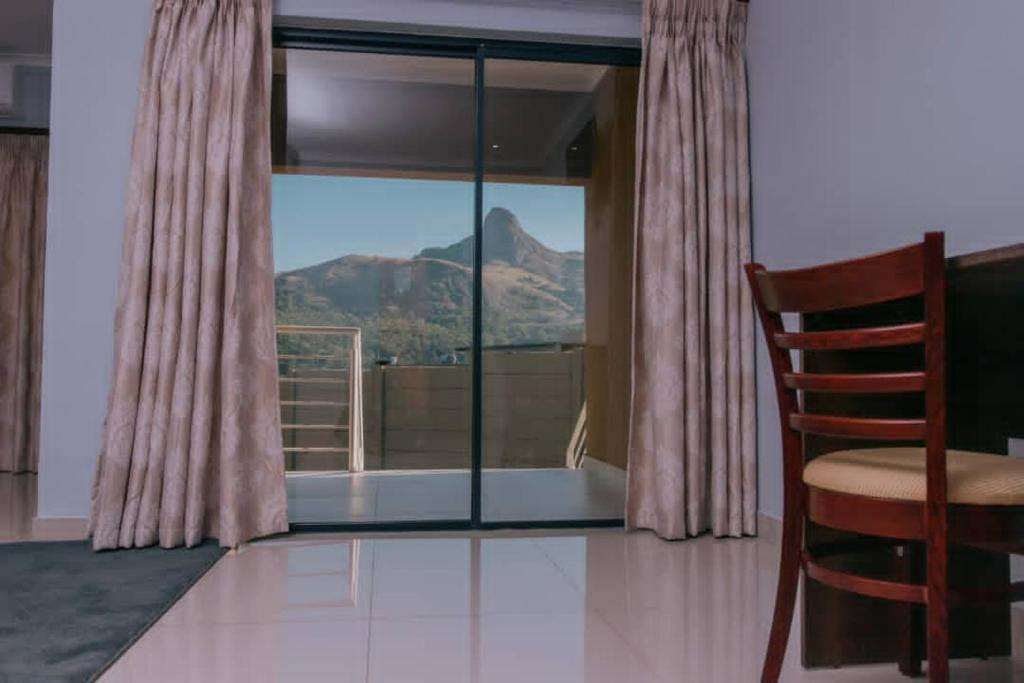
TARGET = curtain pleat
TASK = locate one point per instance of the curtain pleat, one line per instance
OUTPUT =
(23, 184)
(192, 440)
(692, 457)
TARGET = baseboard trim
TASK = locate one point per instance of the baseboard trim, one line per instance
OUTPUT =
(769, 528)
(76, 528)
(59, 528)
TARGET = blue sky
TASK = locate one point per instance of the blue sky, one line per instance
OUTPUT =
(318, 218)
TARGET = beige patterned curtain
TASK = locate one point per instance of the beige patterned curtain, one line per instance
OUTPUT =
(23, 176)
(192, 441)
(692, 452)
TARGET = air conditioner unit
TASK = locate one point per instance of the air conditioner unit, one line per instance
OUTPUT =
(7, 89)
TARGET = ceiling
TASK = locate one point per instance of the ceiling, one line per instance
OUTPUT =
(499, 73)
(373, 111)
(25, 27)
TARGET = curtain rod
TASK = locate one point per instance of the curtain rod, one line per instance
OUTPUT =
(17, 130)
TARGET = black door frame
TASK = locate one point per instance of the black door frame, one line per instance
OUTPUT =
(479, 50)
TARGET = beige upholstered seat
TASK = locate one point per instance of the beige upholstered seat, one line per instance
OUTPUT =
(899, 473)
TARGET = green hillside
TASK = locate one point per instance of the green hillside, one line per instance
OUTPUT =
(420, 309)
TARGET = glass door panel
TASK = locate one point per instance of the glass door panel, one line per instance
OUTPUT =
(557, 243)
(373, 221)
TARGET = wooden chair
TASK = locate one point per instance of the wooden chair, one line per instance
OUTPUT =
(897, 495)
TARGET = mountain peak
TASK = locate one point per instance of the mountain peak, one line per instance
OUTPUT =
(499, 217)
(505, 240)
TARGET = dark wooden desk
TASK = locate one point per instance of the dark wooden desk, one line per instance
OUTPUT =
(985, 348)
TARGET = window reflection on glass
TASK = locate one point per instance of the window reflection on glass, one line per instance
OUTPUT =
(557, 245)
(373, 179)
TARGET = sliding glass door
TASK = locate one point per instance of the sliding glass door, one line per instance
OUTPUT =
(425, 381)
(557, 243)
(373, 222)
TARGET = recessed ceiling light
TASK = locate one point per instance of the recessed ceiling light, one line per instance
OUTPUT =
(496, 147)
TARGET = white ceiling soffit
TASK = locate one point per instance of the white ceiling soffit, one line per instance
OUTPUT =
(499, 73)
(598, 22)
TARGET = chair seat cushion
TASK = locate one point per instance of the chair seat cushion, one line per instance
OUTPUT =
(899, 473)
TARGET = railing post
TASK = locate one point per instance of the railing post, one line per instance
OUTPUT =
(355, 404)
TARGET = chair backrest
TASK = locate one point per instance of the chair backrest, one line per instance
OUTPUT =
(916, 270)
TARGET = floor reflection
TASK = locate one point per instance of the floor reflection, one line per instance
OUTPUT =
(595, 491)
(589, 607)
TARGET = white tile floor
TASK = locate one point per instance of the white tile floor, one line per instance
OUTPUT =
(594, 607)
(590, 607)
(596, 491)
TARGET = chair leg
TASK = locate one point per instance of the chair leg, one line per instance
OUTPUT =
(911, 615)
(938, 618)
(785, 597)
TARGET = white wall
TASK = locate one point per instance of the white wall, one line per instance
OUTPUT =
(97, 54)
(871, 121)
(97, 51)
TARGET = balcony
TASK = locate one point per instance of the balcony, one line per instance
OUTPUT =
(388, 442)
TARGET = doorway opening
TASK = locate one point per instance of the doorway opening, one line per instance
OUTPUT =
(452, 242)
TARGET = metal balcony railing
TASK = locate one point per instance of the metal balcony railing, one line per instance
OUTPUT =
(321, 390)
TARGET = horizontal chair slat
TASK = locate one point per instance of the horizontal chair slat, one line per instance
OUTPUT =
(858, 427)
(864, 585)
(858, 338)
(882, 382)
